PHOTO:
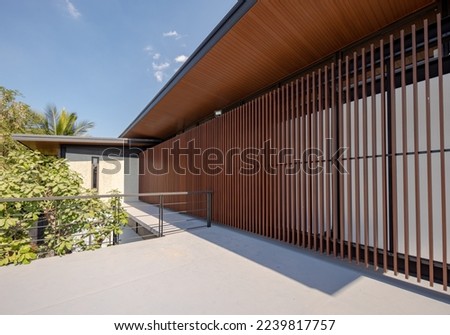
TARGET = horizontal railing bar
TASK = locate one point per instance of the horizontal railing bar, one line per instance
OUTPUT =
(95, 196)
(87, 237)
(67, 224)
(60, 226)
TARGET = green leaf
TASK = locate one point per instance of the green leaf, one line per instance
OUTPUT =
(24, 249)
(28, 174)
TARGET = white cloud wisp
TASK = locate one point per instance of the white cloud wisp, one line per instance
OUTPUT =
(172, 33)
(72, 10)
(158, 70)
(181, 58)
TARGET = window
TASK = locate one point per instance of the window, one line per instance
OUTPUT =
(94, 168)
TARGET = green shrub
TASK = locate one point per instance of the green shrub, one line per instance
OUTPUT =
(70, 225)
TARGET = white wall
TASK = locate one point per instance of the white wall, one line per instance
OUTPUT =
(112, 174)
(436, 208)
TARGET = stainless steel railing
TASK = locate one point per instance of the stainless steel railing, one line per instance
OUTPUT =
(45, 226)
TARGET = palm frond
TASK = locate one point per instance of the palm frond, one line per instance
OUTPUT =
(54, 122)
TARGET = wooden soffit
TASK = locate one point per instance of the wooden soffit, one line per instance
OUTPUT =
(270, 41)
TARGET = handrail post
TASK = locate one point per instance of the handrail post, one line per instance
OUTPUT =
(161, 215)
(116, 214)
(208, 209)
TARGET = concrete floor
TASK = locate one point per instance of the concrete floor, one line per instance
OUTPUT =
(129, 236)
(214, 270)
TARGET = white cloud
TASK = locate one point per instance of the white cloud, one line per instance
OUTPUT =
(172, 33)
(181, 58)
(160, 66)
(152, 53)
(72, 10)
(159, 75)
(158, 70)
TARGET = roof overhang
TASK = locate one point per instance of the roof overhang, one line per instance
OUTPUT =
(256, 45)
(51, 144)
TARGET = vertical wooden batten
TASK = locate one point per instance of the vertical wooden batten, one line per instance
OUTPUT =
(377, 100)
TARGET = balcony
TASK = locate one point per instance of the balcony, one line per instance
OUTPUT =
(195, 269)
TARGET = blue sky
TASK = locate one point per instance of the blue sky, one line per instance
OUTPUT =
(103, 59)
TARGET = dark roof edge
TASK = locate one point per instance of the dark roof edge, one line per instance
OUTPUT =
(230, 19)
(81, 139)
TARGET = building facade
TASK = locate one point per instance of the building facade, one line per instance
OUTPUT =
(104, 164)
(321, 124)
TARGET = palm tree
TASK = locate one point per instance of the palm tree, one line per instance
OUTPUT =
(62, 122)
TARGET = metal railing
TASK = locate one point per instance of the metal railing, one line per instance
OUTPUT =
(45, 226)
(177, 203)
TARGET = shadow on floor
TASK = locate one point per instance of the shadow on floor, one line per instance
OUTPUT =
(318, 271)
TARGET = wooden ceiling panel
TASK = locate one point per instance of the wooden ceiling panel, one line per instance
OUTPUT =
(272, 40)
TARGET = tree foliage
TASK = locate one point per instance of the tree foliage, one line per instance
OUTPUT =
(67, 225)
(55, 122)
(15, 118)
(70, 225)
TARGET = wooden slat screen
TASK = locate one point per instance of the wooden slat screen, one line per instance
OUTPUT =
(273, 165)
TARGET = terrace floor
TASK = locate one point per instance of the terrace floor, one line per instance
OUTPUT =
(214, 270)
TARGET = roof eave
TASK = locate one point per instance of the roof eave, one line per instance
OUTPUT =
(232, 17)
(51, 144)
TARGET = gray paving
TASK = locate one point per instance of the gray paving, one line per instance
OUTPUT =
(146, 216)
(129, 235)
(214, 270)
